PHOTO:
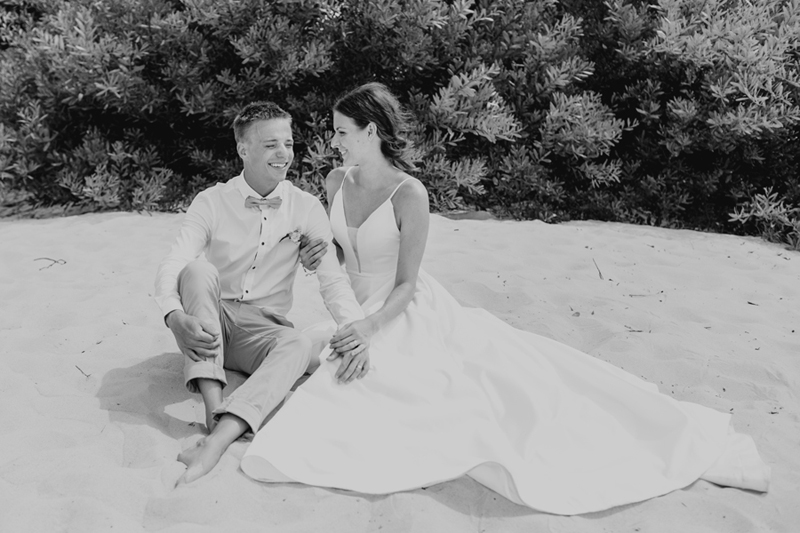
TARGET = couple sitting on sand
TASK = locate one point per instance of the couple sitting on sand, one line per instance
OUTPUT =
(411, 389)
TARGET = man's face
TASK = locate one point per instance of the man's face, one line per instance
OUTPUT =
(268, 149)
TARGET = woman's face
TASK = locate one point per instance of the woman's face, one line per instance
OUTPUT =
(349, 139)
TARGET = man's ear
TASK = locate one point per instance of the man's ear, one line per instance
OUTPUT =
(241, 149)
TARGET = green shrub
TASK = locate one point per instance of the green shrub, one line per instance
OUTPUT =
(668, 112)
(773, 220)
(713, 86)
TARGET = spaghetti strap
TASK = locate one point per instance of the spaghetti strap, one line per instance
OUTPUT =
(398, 186)
(346, 173)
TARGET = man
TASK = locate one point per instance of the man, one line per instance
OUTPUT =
(228, 310)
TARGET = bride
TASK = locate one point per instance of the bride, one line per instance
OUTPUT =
(427, 391)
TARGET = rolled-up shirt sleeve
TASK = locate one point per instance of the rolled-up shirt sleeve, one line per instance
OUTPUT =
(191, 242)
(334, 285)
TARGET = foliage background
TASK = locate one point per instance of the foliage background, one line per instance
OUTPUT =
(679, 113)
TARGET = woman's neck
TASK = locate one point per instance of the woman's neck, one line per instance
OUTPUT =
(374, 174)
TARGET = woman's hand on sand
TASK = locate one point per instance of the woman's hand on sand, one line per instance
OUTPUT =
(199, 340)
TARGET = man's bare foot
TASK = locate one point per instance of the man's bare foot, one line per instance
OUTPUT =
(199, 459)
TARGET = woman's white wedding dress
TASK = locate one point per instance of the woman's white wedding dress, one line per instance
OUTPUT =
(456, 391)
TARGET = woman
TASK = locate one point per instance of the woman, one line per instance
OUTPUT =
(446, 391)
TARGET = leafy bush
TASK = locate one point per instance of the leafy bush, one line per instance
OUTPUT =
(713, 87)
(773, 219)
(664, 112)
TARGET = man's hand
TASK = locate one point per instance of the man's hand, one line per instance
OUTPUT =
(353, 336)
(197, 339)
(312, 252)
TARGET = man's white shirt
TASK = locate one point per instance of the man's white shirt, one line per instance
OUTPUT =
(252, 251)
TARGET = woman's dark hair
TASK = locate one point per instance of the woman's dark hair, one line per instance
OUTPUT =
(374, 102)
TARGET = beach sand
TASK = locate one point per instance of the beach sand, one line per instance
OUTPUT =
(94, 412)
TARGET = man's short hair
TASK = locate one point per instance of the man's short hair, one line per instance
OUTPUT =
(254, 112)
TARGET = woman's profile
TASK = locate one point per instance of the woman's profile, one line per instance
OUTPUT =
(444, 390)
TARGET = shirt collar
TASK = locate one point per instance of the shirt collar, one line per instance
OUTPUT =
(246, 190)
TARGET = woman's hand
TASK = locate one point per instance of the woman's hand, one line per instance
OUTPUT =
(350, 343)
(352, 366)
(312, 252)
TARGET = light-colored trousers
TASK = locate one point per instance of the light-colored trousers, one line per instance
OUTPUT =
(254, 341)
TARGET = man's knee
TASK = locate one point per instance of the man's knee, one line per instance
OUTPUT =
(198, 273)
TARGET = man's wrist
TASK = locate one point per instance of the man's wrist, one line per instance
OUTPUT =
(168, 315)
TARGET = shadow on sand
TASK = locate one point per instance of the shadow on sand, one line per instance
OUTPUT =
(152, 393)
(147, 392)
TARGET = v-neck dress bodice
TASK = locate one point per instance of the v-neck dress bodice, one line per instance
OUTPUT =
(454, 390)
(371, 250)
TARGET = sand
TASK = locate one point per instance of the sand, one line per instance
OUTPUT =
(94, 412)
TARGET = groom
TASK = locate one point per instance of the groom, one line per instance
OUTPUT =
(228, 309)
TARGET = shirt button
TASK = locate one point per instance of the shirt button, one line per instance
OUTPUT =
(247, 292)
(262, 244)
(254, 268)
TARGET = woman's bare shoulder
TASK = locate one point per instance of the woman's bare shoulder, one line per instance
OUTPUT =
(333, 181)
(410, 201)
(410, 189)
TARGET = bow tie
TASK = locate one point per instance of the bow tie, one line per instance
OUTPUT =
(252, 201)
